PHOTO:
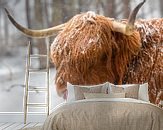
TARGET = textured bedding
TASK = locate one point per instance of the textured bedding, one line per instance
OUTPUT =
(105, 114)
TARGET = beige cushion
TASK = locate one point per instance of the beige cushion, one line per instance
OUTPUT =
(131, 90)
(103, 95)
(76, 92)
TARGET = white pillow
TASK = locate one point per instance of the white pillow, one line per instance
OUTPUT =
(103, 95)
(70, 92)
(131, 90)
(76, 92)
(143, 92)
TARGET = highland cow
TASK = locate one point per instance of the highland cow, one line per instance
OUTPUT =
(92, 49)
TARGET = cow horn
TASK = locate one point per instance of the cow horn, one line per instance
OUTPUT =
(35, 33)
(128, 28)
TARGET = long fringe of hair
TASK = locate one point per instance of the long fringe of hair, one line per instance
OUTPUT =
(89, 52)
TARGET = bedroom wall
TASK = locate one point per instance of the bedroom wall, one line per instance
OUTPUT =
(13, 49)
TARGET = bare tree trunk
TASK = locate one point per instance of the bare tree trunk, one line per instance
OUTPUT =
(109, 8)
(46, 14)
(126, 8)
(38, 14)
(97, 4)
(6, 32)
(39, 24)
(57, 14)
(0, 24)
(69, 9)
(46, 23)
(80, 4)
(83, 5)
(161, 7)
(27, 3)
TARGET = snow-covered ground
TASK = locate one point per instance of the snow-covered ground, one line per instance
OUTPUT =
(12, 75)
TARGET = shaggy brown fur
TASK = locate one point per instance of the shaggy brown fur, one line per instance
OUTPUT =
(88, 52)
(148, 65)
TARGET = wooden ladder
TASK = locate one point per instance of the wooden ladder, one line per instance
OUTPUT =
(28, 89)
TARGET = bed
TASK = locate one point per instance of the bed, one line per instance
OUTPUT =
(106, 107)
(105, 114)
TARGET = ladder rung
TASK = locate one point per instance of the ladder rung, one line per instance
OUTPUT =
(38, 70)
(37, 56)
(37, 105)
(38, 89)
(29, 88)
